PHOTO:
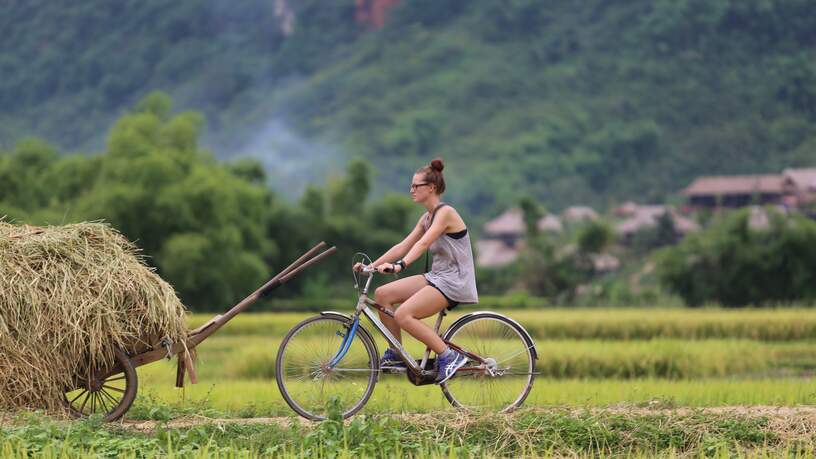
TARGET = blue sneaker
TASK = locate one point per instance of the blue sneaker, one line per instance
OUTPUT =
(391, 360)
(446, 367)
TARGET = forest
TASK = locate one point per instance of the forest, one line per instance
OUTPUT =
(147, 114)
(577, 103)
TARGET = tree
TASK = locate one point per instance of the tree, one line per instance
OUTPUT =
(734, 264)
(347, 195)
(664, 233)
(594, 237)
(532, 213)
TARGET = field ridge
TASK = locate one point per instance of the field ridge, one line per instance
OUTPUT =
(794, 418)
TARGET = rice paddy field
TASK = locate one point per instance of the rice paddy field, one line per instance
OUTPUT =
(631, 382)
(586, 358)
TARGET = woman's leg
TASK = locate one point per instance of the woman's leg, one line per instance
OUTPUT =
(395, 293)
(424, 303)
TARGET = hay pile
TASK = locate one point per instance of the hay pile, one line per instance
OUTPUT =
(68, 295)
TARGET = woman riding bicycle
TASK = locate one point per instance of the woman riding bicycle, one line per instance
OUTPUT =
(450, 282)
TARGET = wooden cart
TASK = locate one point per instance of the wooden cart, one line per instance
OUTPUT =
(111, 391)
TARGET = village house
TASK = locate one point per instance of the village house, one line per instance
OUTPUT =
(799, 186)
(577, 214)
(734, 190)
(639, 217)
(793, 188)
(505, 236)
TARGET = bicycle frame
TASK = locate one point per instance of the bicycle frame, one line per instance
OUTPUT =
(363, 303)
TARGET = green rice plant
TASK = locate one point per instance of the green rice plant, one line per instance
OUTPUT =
(394, 394)
(253, 357)
(789, 324)
(657, 358)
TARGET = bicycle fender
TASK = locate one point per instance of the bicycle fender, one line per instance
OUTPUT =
(526, 335)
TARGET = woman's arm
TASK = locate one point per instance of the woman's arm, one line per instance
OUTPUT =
(398, 251)
(439, 225)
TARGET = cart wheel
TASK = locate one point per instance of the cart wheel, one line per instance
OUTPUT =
(110, 393)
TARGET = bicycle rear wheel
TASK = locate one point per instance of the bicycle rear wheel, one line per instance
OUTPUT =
(307, 383)
(505, 382)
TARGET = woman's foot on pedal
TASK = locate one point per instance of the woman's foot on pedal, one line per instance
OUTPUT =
(391, 360)
(447, 363)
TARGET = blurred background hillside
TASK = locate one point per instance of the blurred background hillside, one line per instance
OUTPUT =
(225, 137)
(593, 101)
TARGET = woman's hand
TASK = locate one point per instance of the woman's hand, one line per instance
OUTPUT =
(389, 268)
(358, 267)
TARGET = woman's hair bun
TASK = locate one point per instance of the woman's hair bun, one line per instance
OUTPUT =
(437, 164)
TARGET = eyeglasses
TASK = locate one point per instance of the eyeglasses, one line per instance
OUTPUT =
(414, 186)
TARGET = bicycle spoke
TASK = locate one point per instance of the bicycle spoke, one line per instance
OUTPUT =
(306, 382)
(504, 359)
(507, 356)
(361, 370)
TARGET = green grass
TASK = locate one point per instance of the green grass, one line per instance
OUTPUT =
(526, 433)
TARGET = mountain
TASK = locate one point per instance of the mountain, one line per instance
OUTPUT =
(590, 102)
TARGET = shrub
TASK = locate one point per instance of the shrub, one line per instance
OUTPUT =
(737, 263)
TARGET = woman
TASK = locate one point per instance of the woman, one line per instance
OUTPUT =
(450, 282)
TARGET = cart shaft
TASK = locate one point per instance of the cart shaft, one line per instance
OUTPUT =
(200, 334)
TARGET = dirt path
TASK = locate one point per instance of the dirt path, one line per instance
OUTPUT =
(787, 422)
(181, 423)
(795, 421)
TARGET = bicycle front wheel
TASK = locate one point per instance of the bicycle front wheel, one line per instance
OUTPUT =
(505, 380)
(306, 381)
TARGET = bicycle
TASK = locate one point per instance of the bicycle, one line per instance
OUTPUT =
(331, 356)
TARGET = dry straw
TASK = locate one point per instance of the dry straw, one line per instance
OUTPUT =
(68, 296)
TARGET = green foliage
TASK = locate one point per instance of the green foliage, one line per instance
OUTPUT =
(214, 230)
(362, 437)
(736, 263)
(500, 281)
(662, 234)
(594, 237)
(552, 273)
(348, 195)
(531, 212)
(624, 123)
(22, 180)
(649, 93)
(555, 266)
(550, 433)
(249, 169)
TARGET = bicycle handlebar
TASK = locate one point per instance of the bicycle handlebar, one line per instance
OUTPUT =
(370, 269)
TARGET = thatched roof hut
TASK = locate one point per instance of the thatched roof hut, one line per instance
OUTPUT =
(735, 190)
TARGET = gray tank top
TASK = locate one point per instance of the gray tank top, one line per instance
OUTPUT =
(452, 270)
